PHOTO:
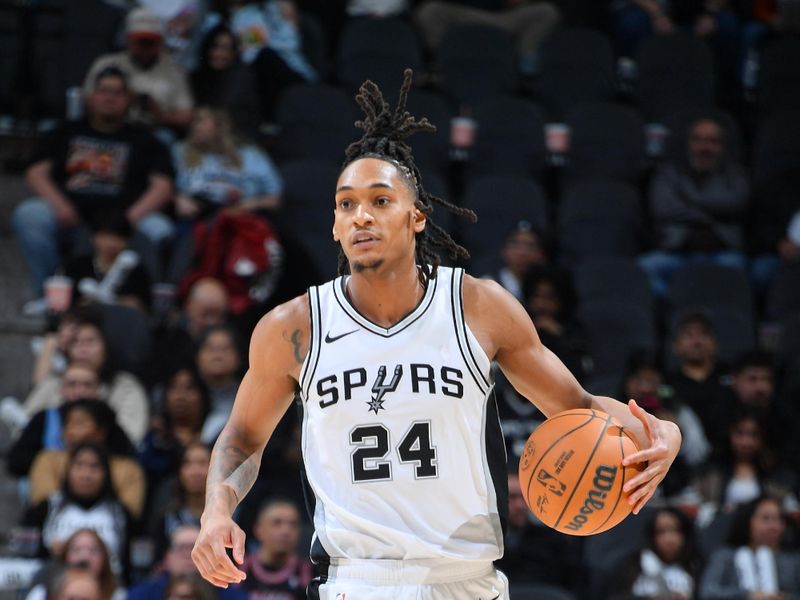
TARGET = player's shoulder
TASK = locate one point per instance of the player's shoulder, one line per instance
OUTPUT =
(479, 293)
(290, 316)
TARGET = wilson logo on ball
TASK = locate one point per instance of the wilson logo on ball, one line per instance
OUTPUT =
(595, 500)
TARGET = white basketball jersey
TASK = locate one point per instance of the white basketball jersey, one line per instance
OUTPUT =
(401, 437)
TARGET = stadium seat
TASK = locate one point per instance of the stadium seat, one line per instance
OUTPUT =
(501, 202)
(777, 146)
(377, 49)
(779, 76)
(316, 122)
(509, 138)
(615, 329)
(577, 66)
(128, 335)
(599, 218)
(783, 298)
(675, 71)
(307, 211)
(431, 150)
(607, 140)
(789, 345)
(710, 286)
(613, 278)
(475, 62)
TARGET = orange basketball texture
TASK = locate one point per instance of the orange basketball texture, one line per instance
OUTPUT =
(571, 471)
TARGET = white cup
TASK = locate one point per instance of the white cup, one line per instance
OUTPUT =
(58, 293)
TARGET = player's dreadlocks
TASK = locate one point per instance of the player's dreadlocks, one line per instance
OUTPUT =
(384, 135)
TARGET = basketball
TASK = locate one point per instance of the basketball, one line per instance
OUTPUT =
(571, 471)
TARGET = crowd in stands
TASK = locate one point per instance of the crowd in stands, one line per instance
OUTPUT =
(635, 166)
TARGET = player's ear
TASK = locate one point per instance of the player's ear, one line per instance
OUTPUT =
(419, 220)
(335, 235)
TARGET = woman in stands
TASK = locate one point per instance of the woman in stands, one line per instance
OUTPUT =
(185, 405)
(181, 501)
(120, 389)
(755, 564)
(84, 549)
(215, 171)
(667, 566)
(86, 500)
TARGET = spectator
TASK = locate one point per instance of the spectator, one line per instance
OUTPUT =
(713, 20)
(276, 570)
(219, 363)
(528, 22)
(535, 553)
(774, 243)
(744, 468)
(550, 300)
(161, 88)
(754, 565)
(523, 249)
(90, 422)
(111, 274)
(84, 549)
(668, 566)
(184, 408)
(75, 583)
(698, 208)
(644, 382)
(223, 81)
(206, 306)
(181, 501)
(98, 164)
(177, 562)
(270, 41)
(51, 354)
(699, 380)
(86, 500)
(215, 171)
(121, 390)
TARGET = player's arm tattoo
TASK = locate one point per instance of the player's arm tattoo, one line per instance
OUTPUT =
(294, 340)
(233, 469)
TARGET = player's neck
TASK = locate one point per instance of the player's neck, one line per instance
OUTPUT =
(385, 297)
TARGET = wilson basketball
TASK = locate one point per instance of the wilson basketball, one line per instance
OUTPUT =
(571, 471)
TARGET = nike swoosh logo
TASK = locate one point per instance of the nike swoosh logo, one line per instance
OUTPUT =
(329, 338)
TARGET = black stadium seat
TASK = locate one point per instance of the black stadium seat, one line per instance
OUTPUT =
(607, 140)
(475, 62)
(577, 66)
(777, 147)
(509, 137)
(675, 71)
(779, 76)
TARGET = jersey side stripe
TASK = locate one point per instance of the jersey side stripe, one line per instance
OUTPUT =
(454, 306)
(460, 297)
(315, 342)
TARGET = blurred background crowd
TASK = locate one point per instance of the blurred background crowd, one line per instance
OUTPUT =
(635, 165)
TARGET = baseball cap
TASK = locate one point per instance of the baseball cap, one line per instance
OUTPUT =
(141, 22)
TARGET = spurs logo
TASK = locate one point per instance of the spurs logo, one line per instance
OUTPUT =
(380, 387)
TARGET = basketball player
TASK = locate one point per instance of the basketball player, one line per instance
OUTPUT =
(401, 438)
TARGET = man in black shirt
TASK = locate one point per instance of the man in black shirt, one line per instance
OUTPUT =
(88, 167)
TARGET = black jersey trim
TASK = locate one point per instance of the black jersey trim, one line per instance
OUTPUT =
(454, 305)
(497, 457)
(315, 341)
(351, 311)
(464, 327)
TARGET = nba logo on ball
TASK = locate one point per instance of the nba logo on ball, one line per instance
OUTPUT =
(571, 471)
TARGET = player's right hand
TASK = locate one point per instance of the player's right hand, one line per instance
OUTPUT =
(217, 533)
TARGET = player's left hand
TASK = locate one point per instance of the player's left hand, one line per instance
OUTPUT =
(665, 442)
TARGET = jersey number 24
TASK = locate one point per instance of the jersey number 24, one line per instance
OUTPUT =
(372, 445)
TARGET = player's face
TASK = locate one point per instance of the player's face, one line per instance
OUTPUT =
(375, 219)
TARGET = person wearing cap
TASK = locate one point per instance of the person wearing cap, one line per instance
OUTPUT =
(161, 88)
(524, 248)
